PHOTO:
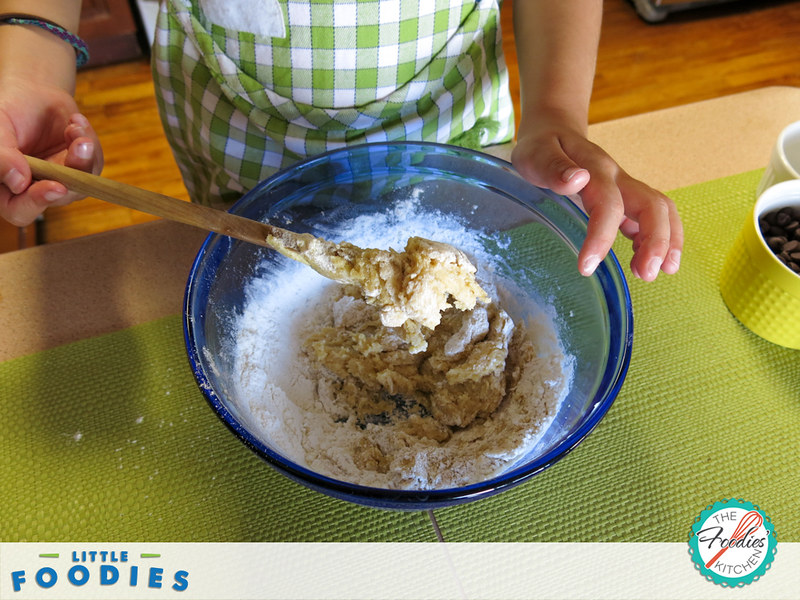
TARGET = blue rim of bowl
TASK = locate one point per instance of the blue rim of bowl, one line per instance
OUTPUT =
(610, 383)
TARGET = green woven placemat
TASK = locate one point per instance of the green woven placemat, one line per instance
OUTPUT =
(109, 439)
(708, 411)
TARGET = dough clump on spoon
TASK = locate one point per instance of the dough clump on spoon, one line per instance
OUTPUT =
(410, 289)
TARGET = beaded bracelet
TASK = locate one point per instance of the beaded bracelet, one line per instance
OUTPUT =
(81, 50)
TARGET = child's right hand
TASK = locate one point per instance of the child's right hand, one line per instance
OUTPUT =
(41, 121)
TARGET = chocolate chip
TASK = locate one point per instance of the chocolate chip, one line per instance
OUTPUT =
(780, 229)
(791, 246)
(776, 243)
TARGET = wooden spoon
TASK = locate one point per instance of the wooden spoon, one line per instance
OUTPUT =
(415, 285)
(163, 206)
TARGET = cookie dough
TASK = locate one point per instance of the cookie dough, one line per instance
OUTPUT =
(411, 289)
(468, 405)
(459, 395)
(369, 375)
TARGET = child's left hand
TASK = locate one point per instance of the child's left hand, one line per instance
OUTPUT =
(567, 163)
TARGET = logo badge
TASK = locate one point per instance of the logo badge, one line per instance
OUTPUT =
(732, 543)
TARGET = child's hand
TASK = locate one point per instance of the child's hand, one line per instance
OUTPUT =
(42, 122)
(567, 163)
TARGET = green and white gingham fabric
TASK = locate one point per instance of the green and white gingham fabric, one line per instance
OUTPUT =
(238, 106)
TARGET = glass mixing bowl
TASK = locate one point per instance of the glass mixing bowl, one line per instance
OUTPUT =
(592, 315)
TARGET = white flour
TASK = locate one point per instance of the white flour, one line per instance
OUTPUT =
(286, 411)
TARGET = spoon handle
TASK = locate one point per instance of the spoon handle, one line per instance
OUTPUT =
(156, 204)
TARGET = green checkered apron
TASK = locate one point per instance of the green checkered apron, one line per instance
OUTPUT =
(238, 106)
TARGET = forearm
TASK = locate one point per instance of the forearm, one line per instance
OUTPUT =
(557, 52)
(33, 53)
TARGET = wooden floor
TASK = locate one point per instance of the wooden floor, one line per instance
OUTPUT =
(694, 55)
